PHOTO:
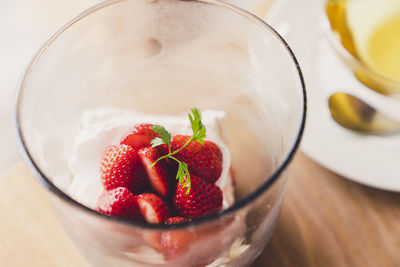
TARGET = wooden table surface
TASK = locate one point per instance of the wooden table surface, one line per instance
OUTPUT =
(326, 221)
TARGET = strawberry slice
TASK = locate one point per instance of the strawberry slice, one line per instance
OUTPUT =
(159, 175)
(174, 220)
(203, 198)
(204, 161)
(203, 243)
(153, 208)
(153, 238)
(119, 202)
(175, 243)
(121, 166)
(140, 136)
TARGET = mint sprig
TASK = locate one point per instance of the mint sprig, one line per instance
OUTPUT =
(199, 133)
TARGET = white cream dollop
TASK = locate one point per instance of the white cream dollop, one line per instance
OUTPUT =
(105, 127)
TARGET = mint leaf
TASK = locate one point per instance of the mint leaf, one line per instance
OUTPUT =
(195, 120)
(188, 183)
(201, 135)
(183, 172)
(192, 123)
(199, 131)
(157, 141)
(165, 135)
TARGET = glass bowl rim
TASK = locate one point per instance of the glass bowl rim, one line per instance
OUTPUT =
(238, 205)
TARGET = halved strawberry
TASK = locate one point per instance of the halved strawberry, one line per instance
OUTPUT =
(204, 161)
(159, 175)
(119, 202)
(204, 198)
(140, 136)
(121, 166)
(153, 208)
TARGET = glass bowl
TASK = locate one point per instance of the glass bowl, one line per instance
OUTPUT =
(164, 57)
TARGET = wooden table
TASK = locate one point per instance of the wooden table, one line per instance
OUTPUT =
(326, 221)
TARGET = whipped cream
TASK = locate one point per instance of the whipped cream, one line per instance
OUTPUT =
(104, 127)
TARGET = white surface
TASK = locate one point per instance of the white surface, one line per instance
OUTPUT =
(369, 160)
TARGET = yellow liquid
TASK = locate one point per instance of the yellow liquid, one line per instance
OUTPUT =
(382, 53)
(383, 50)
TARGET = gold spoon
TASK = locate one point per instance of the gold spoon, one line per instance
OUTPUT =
(354, 114)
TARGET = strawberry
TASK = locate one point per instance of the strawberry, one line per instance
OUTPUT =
(203, 198)
(174, 220)
(159, 176)
(201, 244)
(175, 243)
(121, 166)
(119, 202)
(204, 161)
(140, 136)
(153, 208)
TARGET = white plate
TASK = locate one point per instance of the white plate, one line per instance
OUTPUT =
(370, 160)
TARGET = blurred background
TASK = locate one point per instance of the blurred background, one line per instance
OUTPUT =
(24, 26)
